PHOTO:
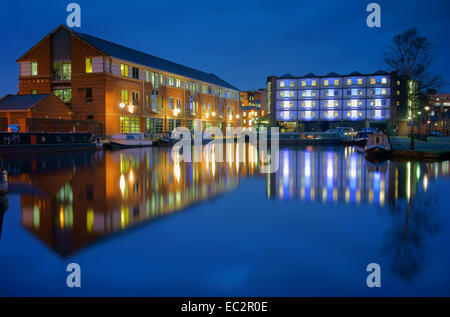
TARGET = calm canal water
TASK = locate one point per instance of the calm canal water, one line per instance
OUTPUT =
(140, 225)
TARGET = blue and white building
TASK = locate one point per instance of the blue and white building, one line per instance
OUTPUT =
(314, 103)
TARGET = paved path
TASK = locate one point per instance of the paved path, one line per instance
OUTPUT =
(434, 144)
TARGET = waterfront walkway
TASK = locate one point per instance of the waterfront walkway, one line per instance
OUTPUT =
(435, 149)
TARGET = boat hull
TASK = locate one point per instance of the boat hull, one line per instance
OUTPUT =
(128, 144)
(377, 152)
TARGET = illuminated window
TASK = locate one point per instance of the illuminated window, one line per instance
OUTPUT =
(308, 104)
(384, 80)
(34, 68)
(303, 83)
(291, 84)
(124, 96)
(287, 104)
(313, 83)
(88, 65)
(373, 80)
(360, 81)
(282, 84)
(383, 91)
(64, 94)
(349, 81)
(377, 113)
(124, 70)
(336, 82)
(325, 83)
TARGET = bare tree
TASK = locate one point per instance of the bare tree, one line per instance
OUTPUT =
(411, 55)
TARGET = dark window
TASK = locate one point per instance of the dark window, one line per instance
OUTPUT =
(88, 95)
(135, 73)
(90, 192)
(90, 117)
(135, 99)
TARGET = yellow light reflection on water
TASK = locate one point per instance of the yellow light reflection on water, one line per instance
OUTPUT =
(425, 182)
(122, 184)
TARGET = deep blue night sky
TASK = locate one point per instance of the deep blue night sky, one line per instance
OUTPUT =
(241, 41)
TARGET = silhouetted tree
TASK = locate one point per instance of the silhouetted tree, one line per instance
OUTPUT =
(411, 55)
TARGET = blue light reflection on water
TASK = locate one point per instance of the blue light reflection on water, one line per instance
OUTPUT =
(308, 230)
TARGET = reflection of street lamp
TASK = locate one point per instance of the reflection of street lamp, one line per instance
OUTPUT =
(122, 105)
(176, 112)
(131, 109)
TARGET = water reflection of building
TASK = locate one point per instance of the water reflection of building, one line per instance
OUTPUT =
(102, 194)
(328, 175)
(119, 191)
(343, 175)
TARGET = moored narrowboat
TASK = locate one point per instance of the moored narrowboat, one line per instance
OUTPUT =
(19, 142)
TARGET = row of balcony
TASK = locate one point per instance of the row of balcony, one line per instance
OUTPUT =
(333, 93)
(347, 103)
(370, 81)
(333, 115)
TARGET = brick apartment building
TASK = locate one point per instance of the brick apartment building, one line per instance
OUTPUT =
(129, 91)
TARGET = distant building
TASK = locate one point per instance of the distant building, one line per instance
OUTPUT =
(127, 90)
(253, 105)
(438, 113)
(317, 103)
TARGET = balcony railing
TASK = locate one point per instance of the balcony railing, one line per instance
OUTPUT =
(61, 77)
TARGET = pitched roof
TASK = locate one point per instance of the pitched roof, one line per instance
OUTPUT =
(380, 72)
(134, 56)
(355, 73)
(287, 76)
(20, 102)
